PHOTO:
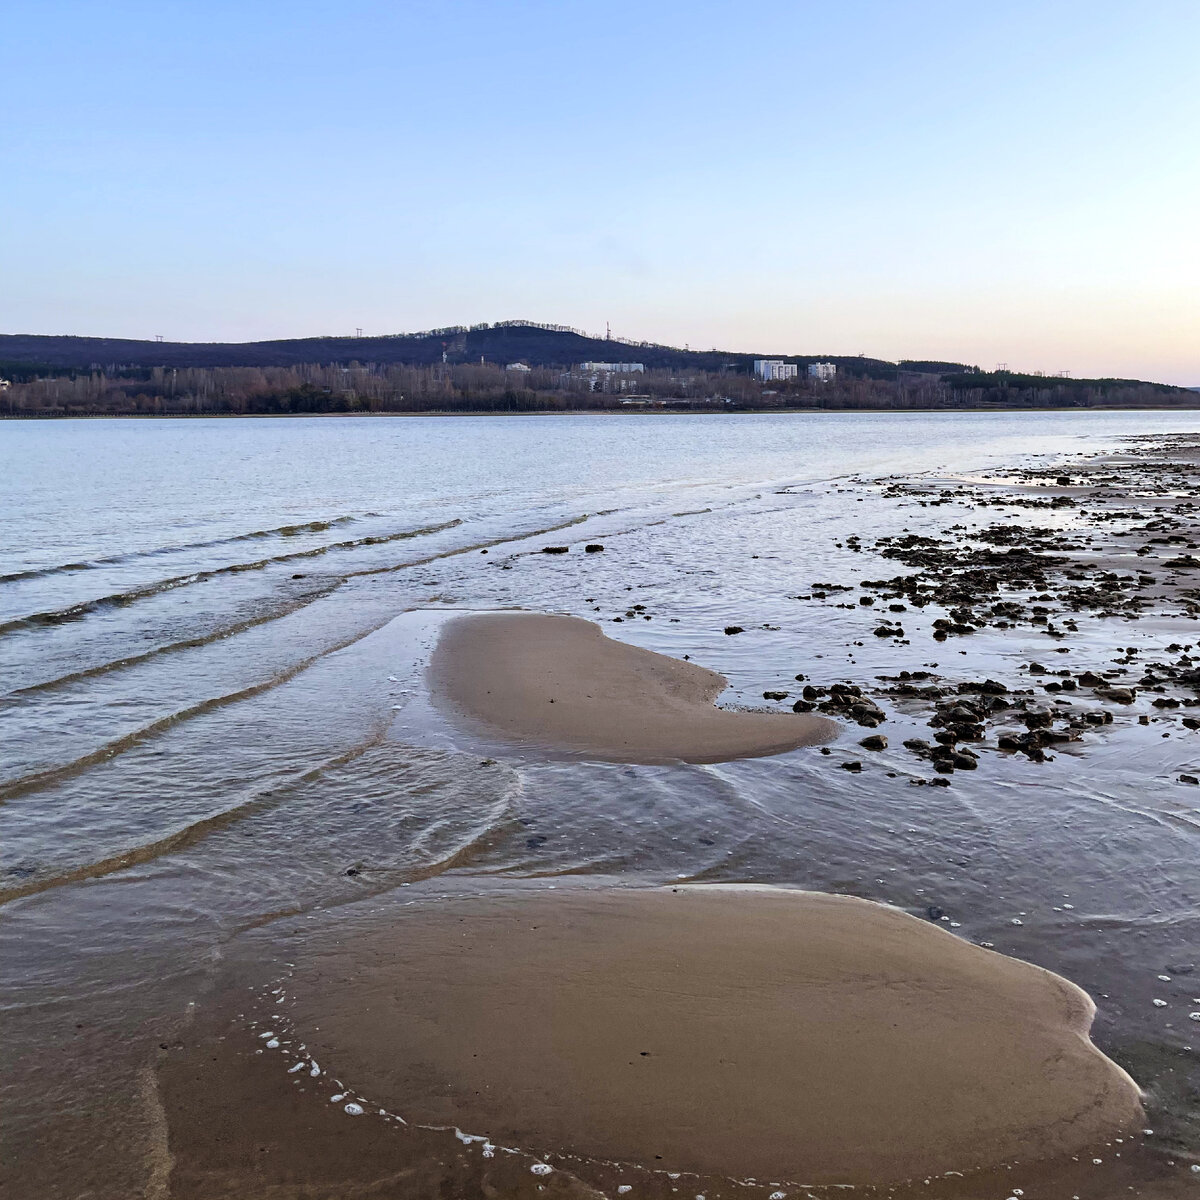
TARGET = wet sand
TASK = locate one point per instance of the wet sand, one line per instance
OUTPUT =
(559, 681)
(741, 1032)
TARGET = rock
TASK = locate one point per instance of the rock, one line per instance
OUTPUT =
(875, 742)
(1189, 779)
(1119, 695)
(555, 549)
(854, 765)
(775, 695)
(593, 547)
(730, 630)
(934, 912)
(802, 706)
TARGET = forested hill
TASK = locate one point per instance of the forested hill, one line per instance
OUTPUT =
(506, 342)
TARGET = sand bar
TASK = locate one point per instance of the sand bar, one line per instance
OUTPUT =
(746, 1032)
(560, 682)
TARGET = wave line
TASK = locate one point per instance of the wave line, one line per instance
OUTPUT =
(114, 559)
(85, 608)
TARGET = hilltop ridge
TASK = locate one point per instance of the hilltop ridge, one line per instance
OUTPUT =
(530, 342)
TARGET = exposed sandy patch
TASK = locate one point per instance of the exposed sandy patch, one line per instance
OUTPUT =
(745, 1032)
(558, 681)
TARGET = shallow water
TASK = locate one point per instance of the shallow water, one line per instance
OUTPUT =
(212, 708)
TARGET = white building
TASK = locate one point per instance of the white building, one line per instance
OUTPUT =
(598, 368)
(773, 369)
(822, 371)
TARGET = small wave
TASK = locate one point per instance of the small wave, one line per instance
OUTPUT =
(281, 531)
(43, 779)
(217, 635)
(189, 835)
(500, 541)
(85, 608)
(426, 857)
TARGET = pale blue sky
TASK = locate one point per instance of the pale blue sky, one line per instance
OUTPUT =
(989, 181)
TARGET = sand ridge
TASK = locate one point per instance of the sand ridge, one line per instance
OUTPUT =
(746, 1032)
(560, 682)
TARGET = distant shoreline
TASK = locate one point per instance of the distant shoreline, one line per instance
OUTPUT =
(596, 412)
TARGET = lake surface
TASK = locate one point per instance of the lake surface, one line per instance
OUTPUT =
(213, 714)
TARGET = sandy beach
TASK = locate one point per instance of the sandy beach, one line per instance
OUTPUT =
(742, 1032)
(560, 682)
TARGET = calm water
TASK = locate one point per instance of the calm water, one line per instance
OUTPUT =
(211, 709)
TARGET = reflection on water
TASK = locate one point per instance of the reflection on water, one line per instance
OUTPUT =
(211, 702)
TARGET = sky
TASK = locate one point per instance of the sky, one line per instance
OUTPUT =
(1003, 181)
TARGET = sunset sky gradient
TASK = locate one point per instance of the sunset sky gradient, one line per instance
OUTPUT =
(1013, 182)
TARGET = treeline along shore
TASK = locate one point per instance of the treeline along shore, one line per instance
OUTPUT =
(374, 388)
(510, 367)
